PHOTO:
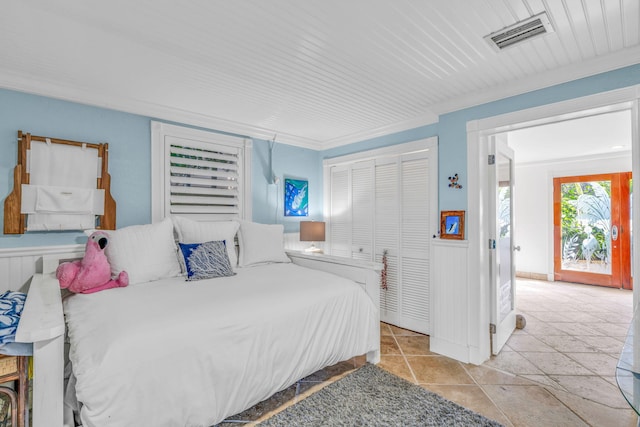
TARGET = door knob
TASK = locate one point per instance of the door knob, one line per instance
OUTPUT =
(516, 248)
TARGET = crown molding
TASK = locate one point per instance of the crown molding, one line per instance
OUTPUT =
(598, 65)
(428, 118)
(68, 92)
(72, 93)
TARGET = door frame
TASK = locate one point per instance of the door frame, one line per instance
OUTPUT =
(478, 132)
(619, 217)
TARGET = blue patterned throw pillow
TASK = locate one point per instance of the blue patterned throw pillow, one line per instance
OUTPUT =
(11, 305)
(206, 260)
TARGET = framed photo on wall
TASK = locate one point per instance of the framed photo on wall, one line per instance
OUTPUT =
(452, 225)
(296, 197)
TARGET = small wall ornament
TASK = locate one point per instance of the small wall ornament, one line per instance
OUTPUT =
(453, 182)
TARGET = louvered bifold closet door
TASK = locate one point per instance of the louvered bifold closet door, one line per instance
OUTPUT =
(415, 237)
(204, 179)
(340, 212)
(362, 204)
(387, 234)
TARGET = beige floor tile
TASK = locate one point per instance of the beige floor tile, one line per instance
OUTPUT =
(542, 329)
(514, 363)
(568, 344)
(546, 316)
(580, 316)
(571, 328)
(593, 388)
(543, 380)
(384, 329)
(486, 375)
(556, 363)
(603, 344)
(623, 317)
(526, 342)
(595, 413)
(611, 329)
(599, 363)
(388, 345)
(438, 370)
(397, 365)
(414, 345)
(472, 397)
(531, 406)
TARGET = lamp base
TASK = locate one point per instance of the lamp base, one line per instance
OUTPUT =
(314, 250)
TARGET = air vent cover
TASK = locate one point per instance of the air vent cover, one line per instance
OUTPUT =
(524, 30)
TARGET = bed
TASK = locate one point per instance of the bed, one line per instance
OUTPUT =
(166, 351)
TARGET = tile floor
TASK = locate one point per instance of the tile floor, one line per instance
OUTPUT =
(557, 371)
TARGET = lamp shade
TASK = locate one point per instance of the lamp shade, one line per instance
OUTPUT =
(311, 231)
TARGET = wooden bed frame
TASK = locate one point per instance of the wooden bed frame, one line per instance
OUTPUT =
(42, 323)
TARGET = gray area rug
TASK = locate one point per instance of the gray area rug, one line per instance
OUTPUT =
(373, 397)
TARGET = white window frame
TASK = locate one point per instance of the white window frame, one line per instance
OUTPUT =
(159, 165)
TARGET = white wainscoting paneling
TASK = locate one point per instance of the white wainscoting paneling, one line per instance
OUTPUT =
(17, 265)
(450, 331)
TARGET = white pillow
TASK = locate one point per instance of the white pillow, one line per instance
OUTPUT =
(145, 252)
(190, 231)
(261, 243)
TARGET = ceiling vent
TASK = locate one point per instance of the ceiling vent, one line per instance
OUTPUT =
(535, 26)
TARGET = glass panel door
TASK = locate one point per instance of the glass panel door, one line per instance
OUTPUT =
(501, 176)
(592, 229)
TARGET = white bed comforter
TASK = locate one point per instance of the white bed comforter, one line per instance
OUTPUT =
(177, 353)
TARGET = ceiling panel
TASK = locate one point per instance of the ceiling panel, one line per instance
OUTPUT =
(317, 74)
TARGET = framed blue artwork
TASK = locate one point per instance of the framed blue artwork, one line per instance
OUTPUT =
(296, 197)
(452, 225)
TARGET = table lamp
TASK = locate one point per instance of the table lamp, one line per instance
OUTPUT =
(312, 231)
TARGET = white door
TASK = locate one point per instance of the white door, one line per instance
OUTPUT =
(404, 217)
(339, 232)
(503, 316)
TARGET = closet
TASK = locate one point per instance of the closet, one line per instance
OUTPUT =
(385, 202)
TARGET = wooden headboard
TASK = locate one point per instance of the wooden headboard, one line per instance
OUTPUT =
(15, 221)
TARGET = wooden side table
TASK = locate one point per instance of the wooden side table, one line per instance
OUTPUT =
(14, 368)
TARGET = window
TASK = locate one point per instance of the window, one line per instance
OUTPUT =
(199, 174)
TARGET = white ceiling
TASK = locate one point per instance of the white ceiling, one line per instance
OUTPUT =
(318, 74)
(598, 136)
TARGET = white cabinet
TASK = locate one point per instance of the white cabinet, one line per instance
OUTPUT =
(382, 201)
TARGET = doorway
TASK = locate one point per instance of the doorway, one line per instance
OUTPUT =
(478, 137)
(592, 229)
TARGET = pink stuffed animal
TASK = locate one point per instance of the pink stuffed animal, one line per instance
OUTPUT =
(93, 272)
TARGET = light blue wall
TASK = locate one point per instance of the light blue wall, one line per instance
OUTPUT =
(129, 139)
(451, 128)
(288, 162)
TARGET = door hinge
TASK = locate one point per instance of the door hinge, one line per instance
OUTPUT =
(492, 244)
(492, 328)
(492, 159)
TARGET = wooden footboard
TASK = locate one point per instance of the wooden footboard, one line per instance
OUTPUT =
(367, 274)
